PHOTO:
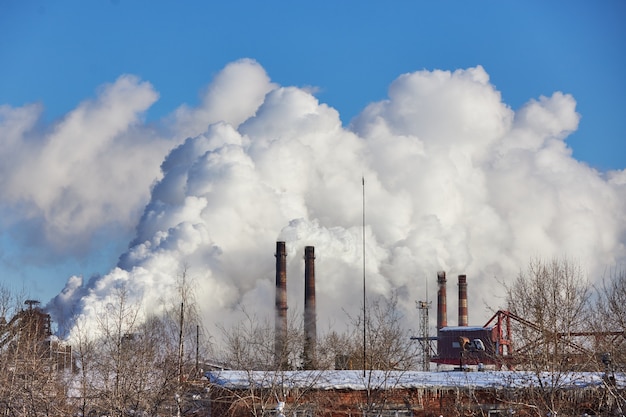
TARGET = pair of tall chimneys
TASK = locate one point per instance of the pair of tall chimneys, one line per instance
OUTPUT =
(442, 319)
(310, 327)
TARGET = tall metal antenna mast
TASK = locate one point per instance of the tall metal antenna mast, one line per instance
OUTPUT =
(364, 310)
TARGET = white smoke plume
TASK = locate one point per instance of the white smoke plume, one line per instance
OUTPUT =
(455, 180)
(88, 173)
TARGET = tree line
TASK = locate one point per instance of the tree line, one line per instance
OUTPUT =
(154, 366)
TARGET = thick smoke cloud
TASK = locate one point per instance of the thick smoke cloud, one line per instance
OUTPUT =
(455, 180)
(87, 173)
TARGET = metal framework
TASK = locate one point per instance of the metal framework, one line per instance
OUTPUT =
(580, 345)
(424, 339)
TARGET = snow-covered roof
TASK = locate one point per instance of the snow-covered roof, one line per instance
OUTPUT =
(355, 380)
(465, 328)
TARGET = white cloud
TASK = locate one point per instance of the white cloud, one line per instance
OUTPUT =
(90, 170)
(233, 96)
(455, 180)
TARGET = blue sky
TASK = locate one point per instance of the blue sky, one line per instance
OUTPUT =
(60, 53)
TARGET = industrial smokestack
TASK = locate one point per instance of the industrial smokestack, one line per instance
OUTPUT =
(442, 318)
(280, 332)
(462, 300)
(310, 327)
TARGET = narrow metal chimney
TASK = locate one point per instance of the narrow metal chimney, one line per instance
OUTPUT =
(463, 301)
(442, 318)
(280, 332)
(310, 327)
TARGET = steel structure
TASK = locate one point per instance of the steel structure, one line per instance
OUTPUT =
(424, 339)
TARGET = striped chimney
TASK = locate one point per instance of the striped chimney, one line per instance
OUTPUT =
(463, 301)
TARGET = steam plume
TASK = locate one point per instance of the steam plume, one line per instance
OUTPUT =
(457, 181)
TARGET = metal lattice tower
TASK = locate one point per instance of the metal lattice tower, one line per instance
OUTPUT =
(424, 337)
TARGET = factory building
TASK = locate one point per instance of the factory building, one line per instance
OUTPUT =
(28, 334)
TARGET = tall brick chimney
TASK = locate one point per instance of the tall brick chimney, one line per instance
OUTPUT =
(442, 315)
(310, 326)
(463, 301)
(280, 332)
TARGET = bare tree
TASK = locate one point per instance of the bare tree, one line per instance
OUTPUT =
(248, 344)
(31, 382)
(610, 317)
(555, 297)
(552, 300)
(340, 350)
(249, 348)
(609, 321)
(388, 346)
(127, 365)
(388, 349)
(132, 364)
(182, 325)
(112, 367)
(85, 396)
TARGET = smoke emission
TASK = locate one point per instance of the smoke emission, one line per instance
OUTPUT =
(455, 180)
